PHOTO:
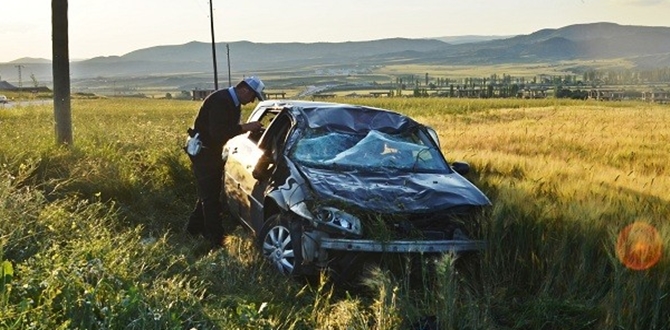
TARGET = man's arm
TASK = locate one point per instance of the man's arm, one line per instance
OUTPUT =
(251, 126)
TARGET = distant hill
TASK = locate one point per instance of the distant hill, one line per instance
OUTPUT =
(468, 39)
(581, 41)
(247, 56)
(644, 47)
(31, 60)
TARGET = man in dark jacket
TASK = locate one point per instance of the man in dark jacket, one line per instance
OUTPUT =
(218, 120)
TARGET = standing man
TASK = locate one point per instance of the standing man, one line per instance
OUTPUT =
(218, 120)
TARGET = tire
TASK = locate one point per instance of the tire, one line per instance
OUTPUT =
(280, 243)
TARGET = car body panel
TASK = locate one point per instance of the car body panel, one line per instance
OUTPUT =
(243, 191)
(395, 192)
(404, 246)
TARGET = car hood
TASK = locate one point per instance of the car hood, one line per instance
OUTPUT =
(393, 192)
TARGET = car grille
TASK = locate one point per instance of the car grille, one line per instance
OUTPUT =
(425, 226)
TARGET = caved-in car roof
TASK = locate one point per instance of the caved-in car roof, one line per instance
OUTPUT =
(388, 190)
(346, 118)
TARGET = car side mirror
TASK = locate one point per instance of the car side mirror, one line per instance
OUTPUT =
(461, 167)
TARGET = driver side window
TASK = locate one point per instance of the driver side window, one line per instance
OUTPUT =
(266, 119)
(271, 143)
(275, 136)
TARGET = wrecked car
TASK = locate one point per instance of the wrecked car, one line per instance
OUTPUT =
(325, 182)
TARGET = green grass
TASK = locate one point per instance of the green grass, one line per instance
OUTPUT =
(92, 236)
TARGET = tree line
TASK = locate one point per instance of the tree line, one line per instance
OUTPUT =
(562, 86)
(628, 76)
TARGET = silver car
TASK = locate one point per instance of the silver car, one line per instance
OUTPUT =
(324, 183)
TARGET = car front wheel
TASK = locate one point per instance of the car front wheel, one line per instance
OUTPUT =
(280, 243)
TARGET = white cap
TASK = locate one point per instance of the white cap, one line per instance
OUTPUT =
(256, 85)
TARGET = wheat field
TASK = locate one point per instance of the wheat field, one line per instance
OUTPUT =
(91, 236)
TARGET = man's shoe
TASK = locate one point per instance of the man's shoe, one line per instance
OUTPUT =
(217, 241)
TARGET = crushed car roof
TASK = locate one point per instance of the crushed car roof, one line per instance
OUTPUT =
(347, 118)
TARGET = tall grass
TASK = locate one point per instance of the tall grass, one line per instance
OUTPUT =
(92, 236)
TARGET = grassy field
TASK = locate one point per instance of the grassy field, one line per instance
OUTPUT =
(91, 237)
(527, 70)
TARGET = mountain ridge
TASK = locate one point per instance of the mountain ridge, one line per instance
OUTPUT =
(643, 46)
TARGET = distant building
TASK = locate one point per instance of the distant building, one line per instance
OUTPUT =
(378, 94)
(323, 96)
(656, 96)
(533, 93)
(606, 95)
(201, 94)
(5, 86)
(275, 95)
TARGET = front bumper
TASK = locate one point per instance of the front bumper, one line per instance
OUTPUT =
(362, 245)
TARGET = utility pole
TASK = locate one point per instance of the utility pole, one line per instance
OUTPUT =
(211, 20)
(20, 80)
(230, 83)
(61, 72)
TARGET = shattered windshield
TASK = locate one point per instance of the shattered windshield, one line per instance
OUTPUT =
(374, 151)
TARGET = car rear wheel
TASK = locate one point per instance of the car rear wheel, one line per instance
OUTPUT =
(280, 243)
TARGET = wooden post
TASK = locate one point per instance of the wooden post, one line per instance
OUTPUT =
(61, 72)
(211, 24)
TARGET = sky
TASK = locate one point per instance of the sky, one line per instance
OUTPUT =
(117, 27)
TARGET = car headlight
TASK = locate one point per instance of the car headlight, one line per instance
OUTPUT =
(340, 221)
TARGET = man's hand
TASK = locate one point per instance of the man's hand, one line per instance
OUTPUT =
(252, 126)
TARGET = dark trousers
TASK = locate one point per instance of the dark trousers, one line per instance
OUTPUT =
(206, 218)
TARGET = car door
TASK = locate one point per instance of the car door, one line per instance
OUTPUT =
(243, 153)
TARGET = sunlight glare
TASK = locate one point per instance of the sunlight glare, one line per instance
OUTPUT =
(639, 246)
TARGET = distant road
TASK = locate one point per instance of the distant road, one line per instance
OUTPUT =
(20, 104)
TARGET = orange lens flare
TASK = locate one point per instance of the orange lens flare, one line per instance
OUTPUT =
(639, 246)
